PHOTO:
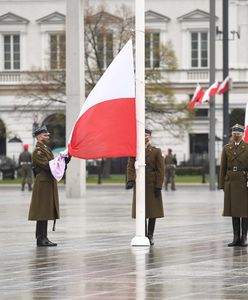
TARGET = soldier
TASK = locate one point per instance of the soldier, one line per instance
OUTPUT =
(25, 164)
(233, 180)
(170, 169)
(153, 184)
(45, 201)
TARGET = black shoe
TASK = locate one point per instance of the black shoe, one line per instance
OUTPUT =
(44, 242)
(243, 241)
(234, 243)
(150, 237)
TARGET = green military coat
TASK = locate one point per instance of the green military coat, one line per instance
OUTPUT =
(154, 179)
(233, 179)
(45, 201)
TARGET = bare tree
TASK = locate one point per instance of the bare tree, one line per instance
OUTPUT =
(105, 35)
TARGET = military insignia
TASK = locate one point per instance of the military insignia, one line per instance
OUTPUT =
(39, 152)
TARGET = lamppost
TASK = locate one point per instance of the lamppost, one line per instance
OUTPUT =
(224, 36)
(225, 72)
(212, 168)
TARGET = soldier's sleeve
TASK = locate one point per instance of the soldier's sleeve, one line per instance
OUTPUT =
(159, 169)
(40, 160)
(223, 169)
(131, 174)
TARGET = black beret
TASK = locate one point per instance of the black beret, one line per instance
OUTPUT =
(40, 130)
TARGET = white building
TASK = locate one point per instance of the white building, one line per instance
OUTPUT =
(27, 28)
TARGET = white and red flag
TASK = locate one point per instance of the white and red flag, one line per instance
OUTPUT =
(210, 92)
(198, 94)
(224, 86)
(106, 126)
(246, 124)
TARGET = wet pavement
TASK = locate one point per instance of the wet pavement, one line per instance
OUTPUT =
(94, 260)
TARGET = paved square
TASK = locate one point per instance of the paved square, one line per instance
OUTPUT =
(94, 260)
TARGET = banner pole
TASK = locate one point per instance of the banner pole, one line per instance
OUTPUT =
(140, 239)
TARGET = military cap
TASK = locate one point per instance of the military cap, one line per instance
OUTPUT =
(237, 128)
(148, 132)
(41, 130)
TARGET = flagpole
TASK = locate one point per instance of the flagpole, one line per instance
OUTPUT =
(75, 174)
(140, 239)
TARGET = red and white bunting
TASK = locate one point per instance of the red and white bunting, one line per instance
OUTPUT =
(198, 94)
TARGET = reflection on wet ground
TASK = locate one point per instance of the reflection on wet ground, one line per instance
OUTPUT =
(94, 260)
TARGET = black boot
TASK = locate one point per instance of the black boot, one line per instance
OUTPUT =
(23, 186)
(244, 226)
(30, 187)
(41, 235)
(145, 228)
(151, 227)
(44, 242)
(236, 232)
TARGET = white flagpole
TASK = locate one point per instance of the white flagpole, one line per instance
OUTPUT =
(140, 239)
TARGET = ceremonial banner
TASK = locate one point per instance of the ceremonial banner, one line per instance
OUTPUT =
(106, 126)
(224, 86)
(196, 97)
(211, 91)
(246, 124)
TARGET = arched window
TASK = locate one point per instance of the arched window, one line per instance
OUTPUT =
(55, 124)
(2, 138)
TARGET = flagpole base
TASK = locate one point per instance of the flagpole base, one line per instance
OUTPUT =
(140, 241)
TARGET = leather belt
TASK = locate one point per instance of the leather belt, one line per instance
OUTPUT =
(236, 169)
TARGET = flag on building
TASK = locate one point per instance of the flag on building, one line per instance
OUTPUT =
(106, 126)
(198, 94)
(246, 124)
(224, 86)
(210, 92)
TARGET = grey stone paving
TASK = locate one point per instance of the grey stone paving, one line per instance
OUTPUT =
(94, 259)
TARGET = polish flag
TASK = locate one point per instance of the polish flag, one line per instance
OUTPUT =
(211, 91)
(106, 126)
(198, 94)
(224, 86)
(246, 124)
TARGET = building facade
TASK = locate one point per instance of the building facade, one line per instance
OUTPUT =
(32, 42)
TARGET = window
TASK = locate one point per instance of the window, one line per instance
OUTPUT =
(198, 149)
(105, 49)
(198, 143)
(201, 113)
(199, 49)
(57, 51)
(152, 50)
(11, 52)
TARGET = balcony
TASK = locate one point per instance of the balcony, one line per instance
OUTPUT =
(29, 77)
(180, 76)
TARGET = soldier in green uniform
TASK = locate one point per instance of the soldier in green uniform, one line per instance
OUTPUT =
(45, 201)
(170, 170)
(153, 184)
(233, 180)
(25, 164)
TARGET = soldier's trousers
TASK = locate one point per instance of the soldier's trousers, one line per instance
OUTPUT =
(26, 173)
